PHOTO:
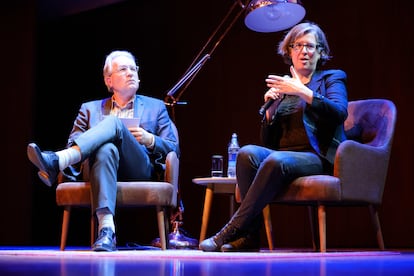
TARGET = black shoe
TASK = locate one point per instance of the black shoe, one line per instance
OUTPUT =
(209, 245)
(106, 240)
(227, 233)
(47, 162)
(248, 243)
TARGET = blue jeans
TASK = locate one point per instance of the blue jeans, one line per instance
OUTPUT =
(262, 174)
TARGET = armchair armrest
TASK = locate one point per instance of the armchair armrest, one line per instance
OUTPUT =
(172, 165)
(362, 169)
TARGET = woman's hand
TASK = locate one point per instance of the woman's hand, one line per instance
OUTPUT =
(272, 93)
(287, 85)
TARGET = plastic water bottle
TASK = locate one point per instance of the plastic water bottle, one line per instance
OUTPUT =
(233, 149)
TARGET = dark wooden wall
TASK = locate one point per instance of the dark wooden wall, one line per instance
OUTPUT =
(53, 63)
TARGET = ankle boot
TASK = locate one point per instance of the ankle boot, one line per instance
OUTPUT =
(226, 234)
(247, 243)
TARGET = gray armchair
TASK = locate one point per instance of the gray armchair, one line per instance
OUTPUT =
(360, 171)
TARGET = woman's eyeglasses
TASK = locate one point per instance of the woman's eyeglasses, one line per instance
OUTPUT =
(310, 47)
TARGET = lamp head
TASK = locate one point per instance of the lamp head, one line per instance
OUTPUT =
(267, 16)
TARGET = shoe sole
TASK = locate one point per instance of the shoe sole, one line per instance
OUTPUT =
(240, 250)
(35, 156)
(103, 249)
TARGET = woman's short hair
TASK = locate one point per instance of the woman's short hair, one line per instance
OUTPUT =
(300, 30)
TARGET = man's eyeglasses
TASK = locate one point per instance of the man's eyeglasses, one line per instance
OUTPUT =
(310, 47)
(123, 70)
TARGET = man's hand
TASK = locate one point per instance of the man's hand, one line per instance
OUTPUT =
(142, 136)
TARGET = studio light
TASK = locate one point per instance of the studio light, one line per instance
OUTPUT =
(267, 16)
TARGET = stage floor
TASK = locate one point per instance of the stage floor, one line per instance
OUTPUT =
(81, 261)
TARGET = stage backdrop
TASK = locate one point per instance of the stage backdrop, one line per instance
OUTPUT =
(53, 62)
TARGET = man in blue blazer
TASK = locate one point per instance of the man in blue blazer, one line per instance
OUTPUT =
(124, 137)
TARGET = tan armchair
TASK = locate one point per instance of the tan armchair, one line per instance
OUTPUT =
(160, 194)
(360, 171)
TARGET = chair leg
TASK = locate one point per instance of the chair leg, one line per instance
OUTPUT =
(162, 227)
(313, 221)
(377, 226)
(268, 226)
(322, 227)
(206, 212)
(93, 229)
(65, 226)
(167, 210)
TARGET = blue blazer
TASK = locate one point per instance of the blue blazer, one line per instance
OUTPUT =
(323, 119)
(153, 117)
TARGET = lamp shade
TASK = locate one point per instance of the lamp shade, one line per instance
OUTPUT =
(267, 16)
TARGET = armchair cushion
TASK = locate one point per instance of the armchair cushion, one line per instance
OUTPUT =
(134, 193)
(313, 188)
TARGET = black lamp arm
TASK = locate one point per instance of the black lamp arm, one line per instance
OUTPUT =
(173, 96)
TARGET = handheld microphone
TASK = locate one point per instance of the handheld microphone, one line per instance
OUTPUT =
(269, 103)
(265, 106)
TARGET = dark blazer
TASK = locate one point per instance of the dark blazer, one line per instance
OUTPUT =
(153, 117)
(323, 119)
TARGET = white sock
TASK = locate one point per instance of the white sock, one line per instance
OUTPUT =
(105, 219)
(68, 157)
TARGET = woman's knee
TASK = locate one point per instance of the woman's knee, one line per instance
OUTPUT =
(251, 155)
(272, 163)
(246, 153)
